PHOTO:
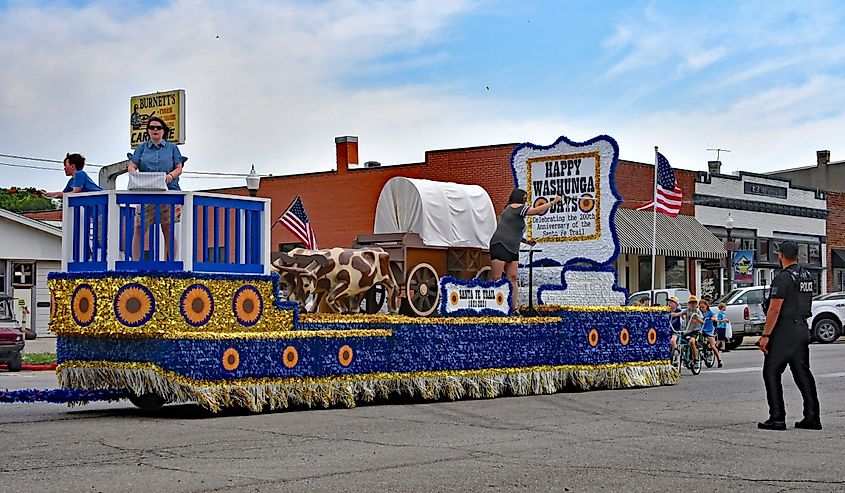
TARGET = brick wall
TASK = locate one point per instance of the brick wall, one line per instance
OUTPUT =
(342, 204)
(835, 230)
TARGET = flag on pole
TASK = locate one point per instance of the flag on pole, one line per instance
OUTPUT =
(296, 220)
(667, 193)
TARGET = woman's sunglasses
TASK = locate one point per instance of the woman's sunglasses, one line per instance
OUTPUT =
(155, 128)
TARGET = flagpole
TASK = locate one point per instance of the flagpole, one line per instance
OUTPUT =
(654, 225)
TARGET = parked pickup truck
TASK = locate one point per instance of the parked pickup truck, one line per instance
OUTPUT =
(11, 336)
(660, 297)
(744, 308)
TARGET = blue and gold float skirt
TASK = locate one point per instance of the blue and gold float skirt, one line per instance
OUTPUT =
(227, 340)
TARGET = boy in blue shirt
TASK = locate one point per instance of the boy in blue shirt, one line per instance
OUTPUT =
(79, 180)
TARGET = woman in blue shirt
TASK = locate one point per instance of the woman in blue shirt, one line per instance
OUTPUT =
(157, 155)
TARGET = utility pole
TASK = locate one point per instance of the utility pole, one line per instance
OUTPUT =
(718, 151)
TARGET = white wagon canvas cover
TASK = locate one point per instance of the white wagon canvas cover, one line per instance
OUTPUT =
(442, 213)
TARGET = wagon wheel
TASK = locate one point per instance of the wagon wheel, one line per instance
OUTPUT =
(374, 299)
(485, 273)
(423, 287)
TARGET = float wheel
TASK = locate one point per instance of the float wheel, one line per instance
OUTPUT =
(147, 402)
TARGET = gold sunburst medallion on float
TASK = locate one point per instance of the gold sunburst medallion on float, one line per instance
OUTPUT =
(247, 305)
(84, 305)
(231, 359)
(290, 357)
(454, 298)
(134, 305)
(624, 337)
(344, 355)
(652, 336)
(594, 338)
(500, 299)
(197, 305)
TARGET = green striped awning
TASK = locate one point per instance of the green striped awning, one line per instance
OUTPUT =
(681, 236)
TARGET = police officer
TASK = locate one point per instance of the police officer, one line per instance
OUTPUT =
(786, 339)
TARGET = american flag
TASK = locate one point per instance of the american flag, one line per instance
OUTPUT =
(296, 220)
(667, 193)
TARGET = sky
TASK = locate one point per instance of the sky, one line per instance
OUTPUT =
(271, 84)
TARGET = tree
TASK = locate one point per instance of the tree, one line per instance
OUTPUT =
(24, 200)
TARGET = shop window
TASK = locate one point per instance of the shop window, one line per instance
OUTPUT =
(803, 253)
(286, 247)
(23, 275)
(814, 255)
(747, 243)
(676, 272)
(763, 251)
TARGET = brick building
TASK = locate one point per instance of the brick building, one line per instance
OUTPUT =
(836, 241)
(341, 204)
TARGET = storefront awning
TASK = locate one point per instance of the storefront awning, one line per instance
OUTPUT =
(838, 258)
(681, 236)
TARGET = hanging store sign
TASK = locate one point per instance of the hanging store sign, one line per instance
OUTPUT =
(169, 106)
(743, 266)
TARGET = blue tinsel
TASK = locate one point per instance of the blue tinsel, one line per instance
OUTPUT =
(62, 396)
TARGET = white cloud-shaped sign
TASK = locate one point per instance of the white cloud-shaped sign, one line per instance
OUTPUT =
(580, 227)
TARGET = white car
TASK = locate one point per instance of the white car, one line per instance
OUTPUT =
(828, 317)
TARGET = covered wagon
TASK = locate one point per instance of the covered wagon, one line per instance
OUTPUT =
(430, 229)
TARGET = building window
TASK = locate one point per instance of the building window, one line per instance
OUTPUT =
(286, 247)
(814, 255)
(803, 253)
(676, 272)
(763, 251)
(23, 275)
(3, 279)
(839, 279)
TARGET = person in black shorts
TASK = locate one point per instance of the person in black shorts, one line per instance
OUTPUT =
(504, 245)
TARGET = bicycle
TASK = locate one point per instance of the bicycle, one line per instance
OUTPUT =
(706, 352)
(681, 357)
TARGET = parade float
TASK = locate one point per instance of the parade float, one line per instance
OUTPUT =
(212, 321)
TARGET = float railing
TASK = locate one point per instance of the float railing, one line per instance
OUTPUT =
(125, 231)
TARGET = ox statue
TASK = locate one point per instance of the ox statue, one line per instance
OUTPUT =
(339, 275)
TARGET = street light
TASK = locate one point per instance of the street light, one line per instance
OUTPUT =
(252, 182)
(729, 225)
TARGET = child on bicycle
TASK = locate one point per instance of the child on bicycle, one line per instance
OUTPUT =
(709, 328)
(693, 321)
(675, 313)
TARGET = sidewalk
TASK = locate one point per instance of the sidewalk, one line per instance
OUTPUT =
(42, 344)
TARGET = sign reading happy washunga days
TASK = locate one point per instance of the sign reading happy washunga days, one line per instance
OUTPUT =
(580, 227)
(169, 106)
(573, 177)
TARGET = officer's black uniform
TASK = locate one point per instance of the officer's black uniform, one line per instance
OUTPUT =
(789, 344)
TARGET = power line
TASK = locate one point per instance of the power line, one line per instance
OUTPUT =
(44, 160)
(206, 175)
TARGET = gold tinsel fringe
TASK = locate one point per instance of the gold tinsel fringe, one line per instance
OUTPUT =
(328, 393)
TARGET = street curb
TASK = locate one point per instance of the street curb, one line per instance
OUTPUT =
(50, 367)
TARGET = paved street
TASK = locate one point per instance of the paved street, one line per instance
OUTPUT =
(699, 435)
